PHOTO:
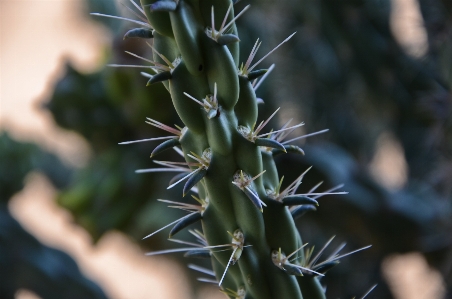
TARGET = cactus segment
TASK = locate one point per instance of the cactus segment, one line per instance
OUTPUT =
(296, 200)
(186, 32)
(184, 222)
(139, 33)
(159, 20)
(229, 161)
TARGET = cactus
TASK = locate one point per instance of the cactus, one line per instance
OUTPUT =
(248, 227)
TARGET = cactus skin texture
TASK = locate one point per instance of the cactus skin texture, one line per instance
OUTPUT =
(231, 165)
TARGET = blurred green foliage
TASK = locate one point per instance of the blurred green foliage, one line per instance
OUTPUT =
(25, 263)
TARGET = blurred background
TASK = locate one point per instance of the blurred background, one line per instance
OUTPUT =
(376, 73)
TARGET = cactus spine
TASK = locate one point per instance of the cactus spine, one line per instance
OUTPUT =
(230, 161)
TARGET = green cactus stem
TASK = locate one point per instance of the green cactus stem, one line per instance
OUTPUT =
(229, 161)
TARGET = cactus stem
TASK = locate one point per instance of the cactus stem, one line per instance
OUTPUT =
(168, 225)
(145, 140)
(121, 18)
(209, 103)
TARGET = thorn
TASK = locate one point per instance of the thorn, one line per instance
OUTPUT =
(168, 225)
(139, 33)
(145, 140)
(193, 180)
(267, 142)
(165, 145)
(183, 223)
(296, 200)
(121, 18)
(301, 210)
(162, 5)
(256, 74)
(160, 77)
